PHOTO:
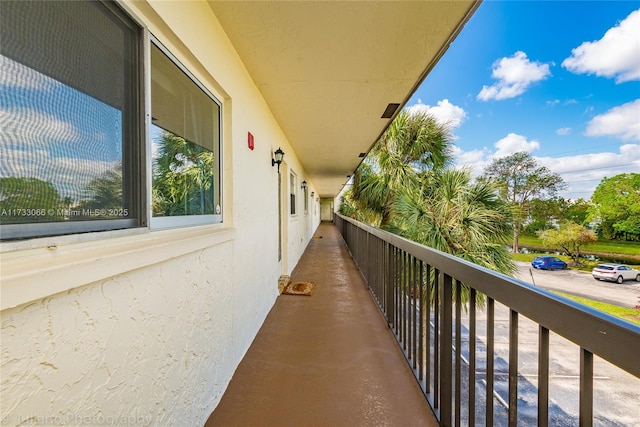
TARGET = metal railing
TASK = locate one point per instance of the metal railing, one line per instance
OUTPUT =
(417, 289)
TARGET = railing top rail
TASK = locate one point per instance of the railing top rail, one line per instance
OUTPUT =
(609, 337)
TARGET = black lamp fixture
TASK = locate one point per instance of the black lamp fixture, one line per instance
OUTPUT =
(304, 184)
(277, 158)
(313, 194)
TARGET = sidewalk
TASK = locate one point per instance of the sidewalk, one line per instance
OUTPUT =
(324, 360)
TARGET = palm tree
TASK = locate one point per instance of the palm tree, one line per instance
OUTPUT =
(182, 177)
(405, 187)
(451, 214)
(411, 145)
(104, 191)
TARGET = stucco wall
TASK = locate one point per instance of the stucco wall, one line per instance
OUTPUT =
(148, 328)
(150, 346)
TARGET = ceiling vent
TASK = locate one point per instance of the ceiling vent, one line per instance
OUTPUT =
(390, 111)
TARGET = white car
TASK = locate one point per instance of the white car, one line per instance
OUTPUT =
(615, 273)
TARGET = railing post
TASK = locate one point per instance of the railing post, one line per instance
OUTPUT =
(427, 331)
(586, 388)
(458, 355)
(513, 369)
(446, 350)
(490, 361)
(389, 285)
(472, 358)
(543, 377)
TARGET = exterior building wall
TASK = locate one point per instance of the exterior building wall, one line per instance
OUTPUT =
(142, 326)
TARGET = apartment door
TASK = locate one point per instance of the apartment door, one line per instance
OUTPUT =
(326, 210)
(283, 217)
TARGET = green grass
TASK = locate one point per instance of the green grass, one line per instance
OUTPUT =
(628, 314)
(625, 252)
(603, 246)
(587, 265)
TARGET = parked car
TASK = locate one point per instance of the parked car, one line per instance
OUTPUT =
(548, 263)
(615, 273)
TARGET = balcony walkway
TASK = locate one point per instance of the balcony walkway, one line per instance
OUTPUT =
(325, 360)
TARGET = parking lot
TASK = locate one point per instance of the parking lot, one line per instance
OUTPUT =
(616, 392)
(582, 284)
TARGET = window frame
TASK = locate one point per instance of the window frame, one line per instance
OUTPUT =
(158, 222)
(293, 193)
(138, 134)
(305, 192)
(133, 131)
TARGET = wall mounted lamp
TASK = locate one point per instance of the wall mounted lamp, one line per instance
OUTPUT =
(277, 158)
(304, 184)
(313, 194)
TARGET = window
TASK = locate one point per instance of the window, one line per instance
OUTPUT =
(73, 137)
(185, 137)
(293, 191)
(70, 140)
(306, 199)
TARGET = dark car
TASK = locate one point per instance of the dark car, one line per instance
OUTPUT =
(548, 263)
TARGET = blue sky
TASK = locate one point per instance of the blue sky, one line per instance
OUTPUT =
(558, 79)
(53, 132)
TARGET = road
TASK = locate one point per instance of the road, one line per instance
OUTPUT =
(582, 284)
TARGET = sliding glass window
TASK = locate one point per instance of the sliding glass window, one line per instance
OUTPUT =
(185, 136)
(70, 113)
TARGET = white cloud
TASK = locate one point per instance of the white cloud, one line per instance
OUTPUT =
(582, 173)
(616, 54)
(36, 144)
(443, 112)
(585, 165)
(622, 122)
(29, 125)
(478, 160)
(513, 143)
(14, 74)
(69, 175)
(475, 159)
(563, 131)
(514, 74)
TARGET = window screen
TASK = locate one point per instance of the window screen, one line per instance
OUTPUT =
(70, 113)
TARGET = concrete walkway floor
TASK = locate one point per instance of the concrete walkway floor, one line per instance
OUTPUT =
(324, 360)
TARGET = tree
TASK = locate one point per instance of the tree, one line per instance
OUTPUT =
(404, 187)
(20, 196)
(570, 237)
(543, 213)
(577, 211)
(451, 214)
(104, 191)
(616, 206)
(521, 179)
(182, 178)
(412, 144)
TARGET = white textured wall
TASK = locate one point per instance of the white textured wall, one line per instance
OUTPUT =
(150, 346)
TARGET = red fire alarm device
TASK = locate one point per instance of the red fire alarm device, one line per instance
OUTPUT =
(250, 141)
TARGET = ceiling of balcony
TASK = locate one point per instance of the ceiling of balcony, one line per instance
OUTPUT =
(328, 69)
